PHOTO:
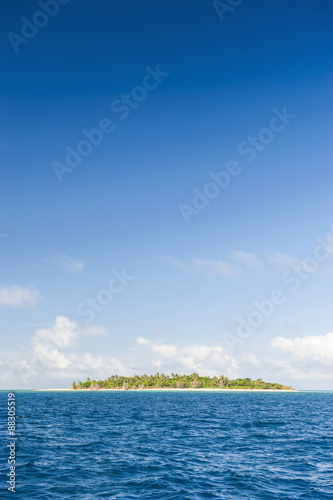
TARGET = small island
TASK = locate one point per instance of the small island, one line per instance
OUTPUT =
(177, 382)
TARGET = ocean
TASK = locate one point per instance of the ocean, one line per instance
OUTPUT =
(159, 445)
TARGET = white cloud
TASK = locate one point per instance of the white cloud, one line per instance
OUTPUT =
(47, 364)
(18, 296)
(50, 357)
(175, 262)
(63, 334)
(247, 259)
(205, 359)
(50, 360)
(98, 366)
(318, 348)
(283, 261)
(251, 359)
(93, 331)
(72, 265)
(217, 267)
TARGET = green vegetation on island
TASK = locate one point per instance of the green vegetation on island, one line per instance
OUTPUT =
(175, 381)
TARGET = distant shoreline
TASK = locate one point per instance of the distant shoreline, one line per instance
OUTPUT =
(171, 389)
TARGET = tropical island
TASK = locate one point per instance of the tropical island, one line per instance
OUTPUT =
(175, 381)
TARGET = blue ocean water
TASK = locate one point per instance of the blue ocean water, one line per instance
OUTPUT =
(171, 445)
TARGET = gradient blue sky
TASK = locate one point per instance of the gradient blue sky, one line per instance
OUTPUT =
(120, 207)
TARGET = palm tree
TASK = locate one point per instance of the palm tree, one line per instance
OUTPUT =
(223, 381)
(195, 384)
(215, 381)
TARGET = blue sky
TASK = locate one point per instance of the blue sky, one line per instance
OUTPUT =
(118, 211)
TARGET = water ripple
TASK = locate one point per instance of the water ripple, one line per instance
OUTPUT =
(174, 446)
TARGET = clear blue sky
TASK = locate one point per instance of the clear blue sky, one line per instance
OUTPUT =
(119, 208)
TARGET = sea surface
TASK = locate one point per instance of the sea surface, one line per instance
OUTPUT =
(171, 445)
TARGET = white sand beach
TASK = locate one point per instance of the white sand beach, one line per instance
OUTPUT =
(172, 389)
